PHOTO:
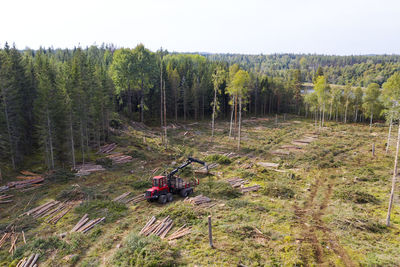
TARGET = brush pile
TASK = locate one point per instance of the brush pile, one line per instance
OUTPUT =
(85, 225)
(28, 262)
(125, 198)
(88, 168)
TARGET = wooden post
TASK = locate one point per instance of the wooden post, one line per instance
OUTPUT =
(210, 232)
(373, 149)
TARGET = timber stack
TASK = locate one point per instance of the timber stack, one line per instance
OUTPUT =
(158, 228)
(29, 262)
(4, 199)
(88, 168)
(125, 198)
(197, 200)
(179, 233)
(237, 182)
(84, 225)
(54, 210)
(106, 149)
(119, 158)
(249, 189)
(13, 237)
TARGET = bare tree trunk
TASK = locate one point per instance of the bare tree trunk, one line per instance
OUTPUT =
(82, 145)
(356, 114)
(323, 115)
(50, 139)
(161, 95)
(345, 112)
(390, 130)
(72, 140)
(176, 104)
(393, 179)
(370, 122)
(9, 131)
(213, 114)
(232, 108)
(235, 124)
(330, 110)
(165, 118)
(240, 121)
(316, 118)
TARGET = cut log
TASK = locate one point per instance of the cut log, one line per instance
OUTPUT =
(268, 164)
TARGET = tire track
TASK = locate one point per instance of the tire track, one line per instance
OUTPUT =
(311, 217)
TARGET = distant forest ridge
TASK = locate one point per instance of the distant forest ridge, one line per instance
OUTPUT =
(357, 70)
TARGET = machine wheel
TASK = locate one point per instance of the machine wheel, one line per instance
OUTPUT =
(170, 198)
(162, 199)
(184, 193)
(189, 191)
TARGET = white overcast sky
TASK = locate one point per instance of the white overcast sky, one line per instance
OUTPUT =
(339, 27)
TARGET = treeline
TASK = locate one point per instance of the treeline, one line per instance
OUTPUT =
(59, 104)
(355, 70)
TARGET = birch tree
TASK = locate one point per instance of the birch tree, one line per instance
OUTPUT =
(218, 78)
(392, 92)
(372, 104)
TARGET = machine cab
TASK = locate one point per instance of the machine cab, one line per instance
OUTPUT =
(159, 182)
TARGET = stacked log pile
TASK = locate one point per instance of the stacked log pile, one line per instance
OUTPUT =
(125, 198)
(268, 165)
(84, 225)
(29, 262)
(197, 200)
(119, 158)
(158, 228)
(250, 188)
(179, 233)
(4, 199)
(106, 149)
(54, 210)
(280, 152)
(13, 237)
(29, 179)
(88, 168)
(237, 182)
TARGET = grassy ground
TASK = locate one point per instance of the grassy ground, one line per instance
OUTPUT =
(325, 206)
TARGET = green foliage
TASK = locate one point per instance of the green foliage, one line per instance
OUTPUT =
(102, 208)
(60, 175)
(221, 159)
(141, 184)
(218, 189)
(355, 195)
(145, 251)
(278, 190)
(181, 213)
(105, 162)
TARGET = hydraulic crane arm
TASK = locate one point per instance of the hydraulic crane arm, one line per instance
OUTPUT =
(188, 162)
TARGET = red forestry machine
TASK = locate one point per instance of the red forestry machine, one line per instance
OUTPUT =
(165, 186)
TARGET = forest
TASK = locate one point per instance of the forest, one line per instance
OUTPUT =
(59, 104)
